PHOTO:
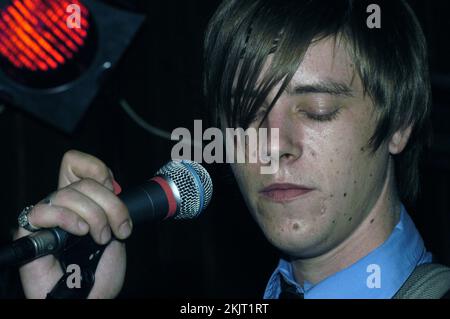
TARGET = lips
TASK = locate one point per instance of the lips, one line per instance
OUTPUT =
(284, 192)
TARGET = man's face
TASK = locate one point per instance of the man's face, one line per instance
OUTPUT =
(325, 122)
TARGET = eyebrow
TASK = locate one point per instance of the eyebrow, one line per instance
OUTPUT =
(322, 87)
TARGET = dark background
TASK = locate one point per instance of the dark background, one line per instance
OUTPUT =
(223, 253)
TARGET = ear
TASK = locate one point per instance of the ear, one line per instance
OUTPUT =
(399, 140)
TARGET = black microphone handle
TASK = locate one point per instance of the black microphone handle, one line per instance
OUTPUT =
(21, 249)
(146, 203)
(36, 245)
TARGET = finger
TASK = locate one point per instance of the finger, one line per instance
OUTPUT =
(77, 165)
(115, 210)
(84, 206)
(46, 216)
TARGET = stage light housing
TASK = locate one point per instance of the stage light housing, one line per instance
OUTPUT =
(54, 54)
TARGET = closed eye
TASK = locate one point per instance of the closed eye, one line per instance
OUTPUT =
(323, 117)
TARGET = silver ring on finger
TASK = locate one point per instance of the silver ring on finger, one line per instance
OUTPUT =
(24, 222)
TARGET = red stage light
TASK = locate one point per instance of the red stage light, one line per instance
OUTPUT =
(34, 35)
(56, 54)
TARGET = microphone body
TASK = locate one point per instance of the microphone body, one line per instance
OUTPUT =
(167, 195)
(152, 201)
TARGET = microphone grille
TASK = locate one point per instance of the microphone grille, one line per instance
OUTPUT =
(193, 184)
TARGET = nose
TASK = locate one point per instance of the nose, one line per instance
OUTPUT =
(288, 147)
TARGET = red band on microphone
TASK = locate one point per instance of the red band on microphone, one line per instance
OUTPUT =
(169, 194)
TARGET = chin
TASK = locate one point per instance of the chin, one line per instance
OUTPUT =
(288, 240)
(297, 237)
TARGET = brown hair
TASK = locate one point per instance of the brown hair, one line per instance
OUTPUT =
(391, 62)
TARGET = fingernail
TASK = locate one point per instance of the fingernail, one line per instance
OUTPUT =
(116, 186)
(83, 226)
(125, 229)
(106, 235)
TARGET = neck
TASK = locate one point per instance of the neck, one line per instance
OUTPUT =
(373, 231)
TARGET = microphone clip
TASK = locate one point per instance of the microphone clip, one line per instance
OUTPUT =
(79, 260)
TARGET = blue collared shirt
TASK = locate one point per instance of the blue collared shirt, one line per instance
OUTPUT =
(379, 275)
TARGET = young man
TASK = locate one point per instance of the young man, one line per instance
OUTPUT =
(352, 107)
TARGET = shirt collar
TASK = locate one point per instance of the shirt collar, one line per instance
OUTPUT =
(379, 275)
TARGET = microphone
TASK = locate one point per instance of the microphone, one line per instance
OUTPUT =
(181, 190)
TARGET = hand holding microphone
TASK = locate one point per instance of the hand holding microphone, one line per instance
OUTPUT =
(180, 190)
